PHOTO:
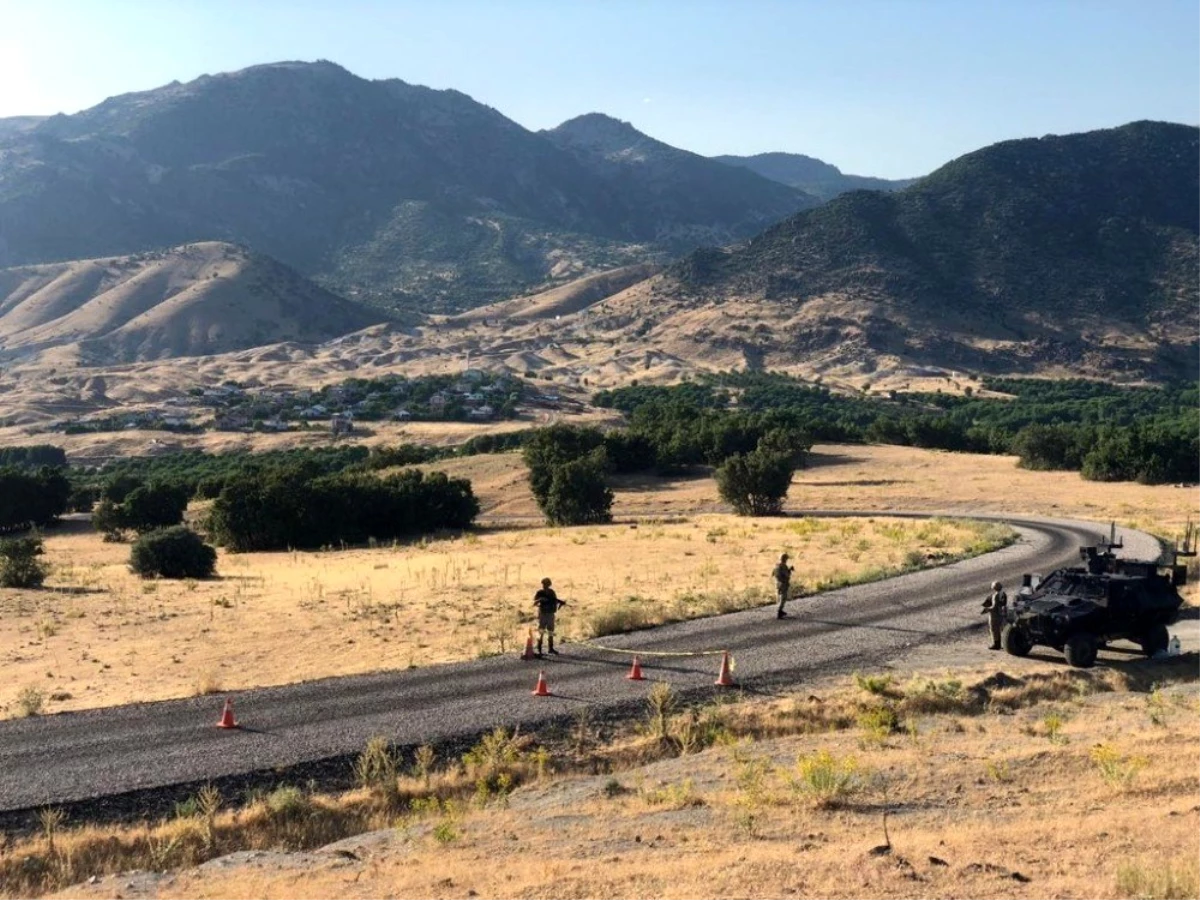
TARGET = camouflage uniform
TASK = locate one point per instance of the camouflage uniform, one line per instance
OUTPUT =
(995, 606)
(548, 604)
(783, 581)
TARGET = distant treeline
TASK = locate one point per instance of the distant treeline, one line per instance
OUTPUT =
(205, 475)
(1106, 432)
(32, 457)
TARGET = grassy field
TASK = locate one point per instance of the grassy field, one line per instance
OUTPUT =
(875, 479)
(101, 636)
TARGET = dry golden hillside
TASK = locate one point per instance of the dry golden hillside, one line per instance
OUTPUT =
(195, 300)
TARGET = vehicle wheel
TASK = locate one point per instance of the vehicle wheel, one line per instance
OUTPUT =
(1155, 640)
(1015, 641)
(1081, 650)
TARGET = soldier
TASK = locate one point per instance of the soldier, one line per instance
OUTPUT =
(995, 606)
(548, 604)
(783, 581)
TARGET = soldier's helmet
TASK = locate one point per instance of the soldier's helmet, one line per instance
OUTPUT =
(996, 586)
(545, 582)
(783, 557)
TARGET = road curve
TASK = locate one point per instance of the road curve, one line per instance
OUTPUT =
(72, 757)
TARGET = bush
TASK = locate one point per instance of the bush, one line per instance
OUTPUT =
(172, 553)
(19, 563)
(754, 484)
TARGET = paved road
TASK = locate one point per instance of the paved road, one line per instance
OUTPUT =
(74, 756)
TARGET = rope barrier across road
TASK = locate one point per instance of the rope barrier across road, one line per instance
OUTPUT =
(596, 646)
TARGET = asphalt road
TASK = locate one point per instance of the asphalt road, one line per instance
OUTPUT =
(70, 757)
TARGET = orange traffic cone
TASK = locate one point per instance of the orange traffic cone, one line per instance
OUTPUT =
(227, 720)
(541, 690)
(724, 680)
(635, 674)
(529, 654)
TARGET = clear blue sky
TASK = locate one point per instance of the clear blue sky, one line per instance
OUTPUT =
(877, 87)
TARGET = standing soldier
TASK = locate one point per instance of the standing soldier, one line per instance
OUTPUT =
(995, 606)
(547, 604)
(783, 581)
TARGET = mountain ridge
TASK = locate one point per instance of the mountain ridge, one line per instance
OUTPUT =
(391, 193)
(1084, 245)
(814, 176)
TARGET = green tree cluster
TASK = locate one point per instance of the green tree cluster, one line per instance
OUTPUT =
(127, 504)
(290, 508)
(1147, 434)
(33, 457)
(566, 475)
(32, 497)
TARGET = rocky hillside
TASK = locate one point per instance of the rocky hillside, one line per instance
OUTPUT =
(820, 179)
(1078, 252)
(194, 300)
(387, 192)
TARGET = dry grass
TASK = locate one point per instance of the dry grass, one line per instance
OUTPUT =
(105, 637)
(975, 807)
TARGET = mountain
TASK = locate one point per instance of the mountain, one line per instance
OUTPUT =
(387, 192)
(1073, 254)
(685, 198)
(18, 125)
(194, 300)
(820, 179)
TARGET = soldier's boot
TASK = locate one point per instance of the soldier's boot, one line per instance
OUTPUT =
(539, 646)
(552, 650)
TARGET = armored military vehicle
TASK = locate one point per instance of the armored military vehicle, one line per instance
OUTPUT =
(1078, 609)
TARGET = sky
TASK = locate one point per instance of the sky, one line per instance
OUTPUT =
(891, 88)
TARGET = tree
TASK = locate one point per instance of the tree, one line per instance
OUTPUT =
(108, 518)
(32, 498)
(551, 447)
(119, 487)
(154, 506)
(578, 494)
(144, 508)
(786, 441)
(754, 484)
(176, 552)
(19, 563)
